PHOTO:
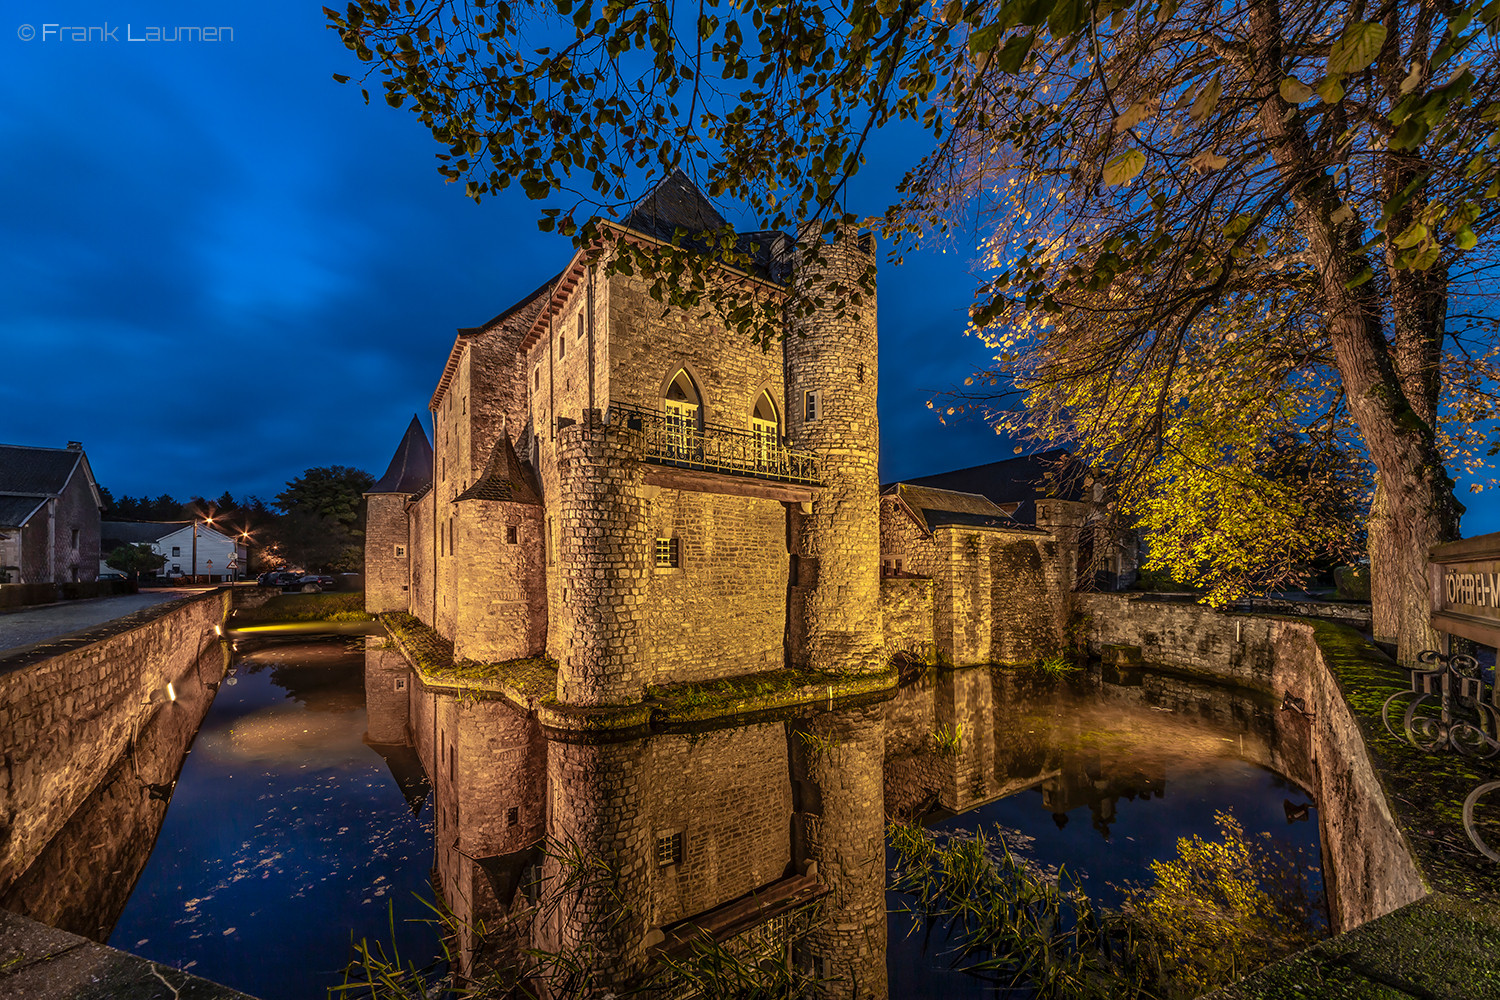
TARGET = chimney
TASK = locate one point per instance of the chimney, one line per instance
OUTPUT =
(75, 445)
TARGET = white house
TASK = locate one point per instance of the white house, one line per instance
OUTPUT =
(218, 556)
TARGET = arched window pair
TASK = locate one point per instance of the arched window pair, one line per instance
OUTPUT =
(683, 408)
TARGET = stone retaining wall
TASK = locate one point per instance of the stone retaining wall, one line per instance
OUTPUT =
(69, 708)
(1369, 866)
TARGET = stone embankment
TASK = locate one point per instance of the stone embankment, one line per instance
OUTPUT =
(1418, 905)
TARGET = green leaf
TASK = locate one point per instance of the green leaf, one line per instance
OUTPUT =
(1294, 91)
(1359, 279)
(984, 39)
(1414, 234)
(1014, 53)
(1123, 168)
(1466, 239)
(341, 78)
(1361, 43)
(1331, 89)
(1065, 18)
(1207, 100)
(953, 13)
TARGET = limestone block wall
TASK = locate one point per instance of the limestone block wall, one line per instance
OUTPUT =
(963, 595)
(420, 516)
(76, 510)
(831, 359)
(722, 611)
(1027, 600)
(388, 692)
(904, 546)
(604, 554)
(66, 718)
(906, 611)
(648, 345)
(1183, 636)
(502, 601)
(387, 575)
(729, 794)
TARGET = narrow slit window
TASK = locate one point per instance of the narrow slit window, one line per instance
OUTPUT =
(813, 406)
(510, 535)
(580, 324)
(562, 345)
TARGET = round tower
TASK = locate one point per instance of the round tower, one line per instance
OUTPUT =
(831, 377)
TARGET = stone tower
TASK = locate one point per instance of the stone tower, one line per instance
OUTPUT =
(387, 545)
(831, 379)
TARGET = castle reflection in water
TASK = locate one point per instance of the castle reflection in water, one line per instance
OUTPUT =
(766, 836)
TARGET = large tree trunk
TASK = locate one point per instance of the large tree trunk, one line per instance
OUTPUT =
(1418, 495)
(1382, 544)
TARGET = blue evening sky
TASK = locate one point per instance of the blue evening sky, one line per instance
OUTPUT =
(221, 268)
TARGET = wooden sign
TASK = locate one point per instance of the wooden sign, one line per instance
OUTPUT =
(1465, 577)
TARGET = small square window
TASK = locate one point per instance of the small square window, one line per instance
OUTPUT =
(669, 850)
(176, 551)
(400, 684)
(512, 816)
(511, 535)
(399, 551)
(813, 410)
(666, 553)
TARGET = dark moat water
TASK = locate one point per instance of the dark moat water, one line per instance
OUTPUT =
(303, 816)
(286, 834)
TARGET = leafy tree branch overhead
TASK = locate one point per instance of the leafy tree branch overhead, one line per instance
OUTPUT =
(1198, 216)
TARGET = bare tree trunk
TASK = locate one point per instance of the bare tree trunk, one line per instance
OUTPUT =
(1382, 544)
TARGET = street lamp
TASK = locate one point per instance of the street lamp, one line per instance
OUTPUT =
(208, 521)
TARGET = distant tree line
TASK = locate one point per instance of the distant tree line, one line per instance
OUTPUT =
(316, 524)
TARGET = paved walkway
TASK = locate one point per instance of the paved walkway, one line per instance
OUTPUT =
(29, 625)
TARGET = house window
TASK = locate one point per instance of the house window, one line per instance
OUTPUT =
(813, 406)
(176, 551)
(898, 567)
(885, 567)
(666, 553)
(176, 568)
(75, 538)
(510, 535)
(683, 406)
(400, 684)
(669, 850)
(399, 551)
(580, 324)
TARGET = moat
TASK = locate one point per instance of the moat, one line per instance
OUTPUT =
(326, 793)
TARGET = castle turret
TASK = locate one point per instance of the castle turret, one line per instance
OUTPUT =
(831, 379)
(387, 543)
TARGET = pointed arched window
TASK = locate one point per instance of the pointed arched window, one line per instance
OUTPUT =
(683, 407)
(765, 429)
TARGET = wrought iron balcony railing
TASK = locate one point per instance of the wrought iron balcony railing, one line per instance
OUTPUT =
(714, 448)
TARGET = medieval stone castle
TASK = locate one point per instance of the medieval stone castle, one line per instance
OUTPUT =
(648, 498)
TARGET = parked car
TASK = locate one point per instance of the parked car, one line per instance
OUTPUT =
(278, 578)
(312, 583)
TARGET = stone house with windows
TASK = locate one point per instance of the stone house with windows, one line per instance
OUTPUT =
(648, 498)
(49, 515)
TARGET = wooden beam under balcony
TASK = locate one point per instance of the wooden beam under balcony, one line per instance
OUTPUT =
(699, 481)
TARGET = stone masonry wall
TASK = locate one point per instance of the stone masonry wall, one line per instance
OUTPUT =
(1025, 597)
(423, 571)
(836, 604)
(604, 554)
(66, 718)
(906, 611)
(722, 611)
(76, 510)
(1369, 869)
(904, 546)
(502, 605)
(387, 575)
(963, 596)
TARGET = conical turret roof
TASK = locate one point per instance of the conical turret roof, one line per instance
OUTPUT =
(410, 470)
(504, 478)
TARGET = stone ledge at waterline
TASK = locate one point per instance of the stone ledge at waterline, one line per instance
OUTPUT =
(531, 684)
(38, 962)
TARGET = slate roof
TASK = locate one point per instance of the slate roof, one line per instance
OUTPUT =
(411, 467)
(1047, 474)
(16, 508)
(504, 478)
(935, 508)
(36, 471)
(677, 203)
(116, 533)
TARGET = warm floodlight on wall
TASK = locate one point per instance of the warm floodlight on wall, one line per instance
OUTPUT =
(218, 630)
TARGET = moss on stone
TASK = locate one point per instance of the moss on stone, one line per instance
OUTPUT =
(527, 682)
(1426, 790)
(748, 693)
